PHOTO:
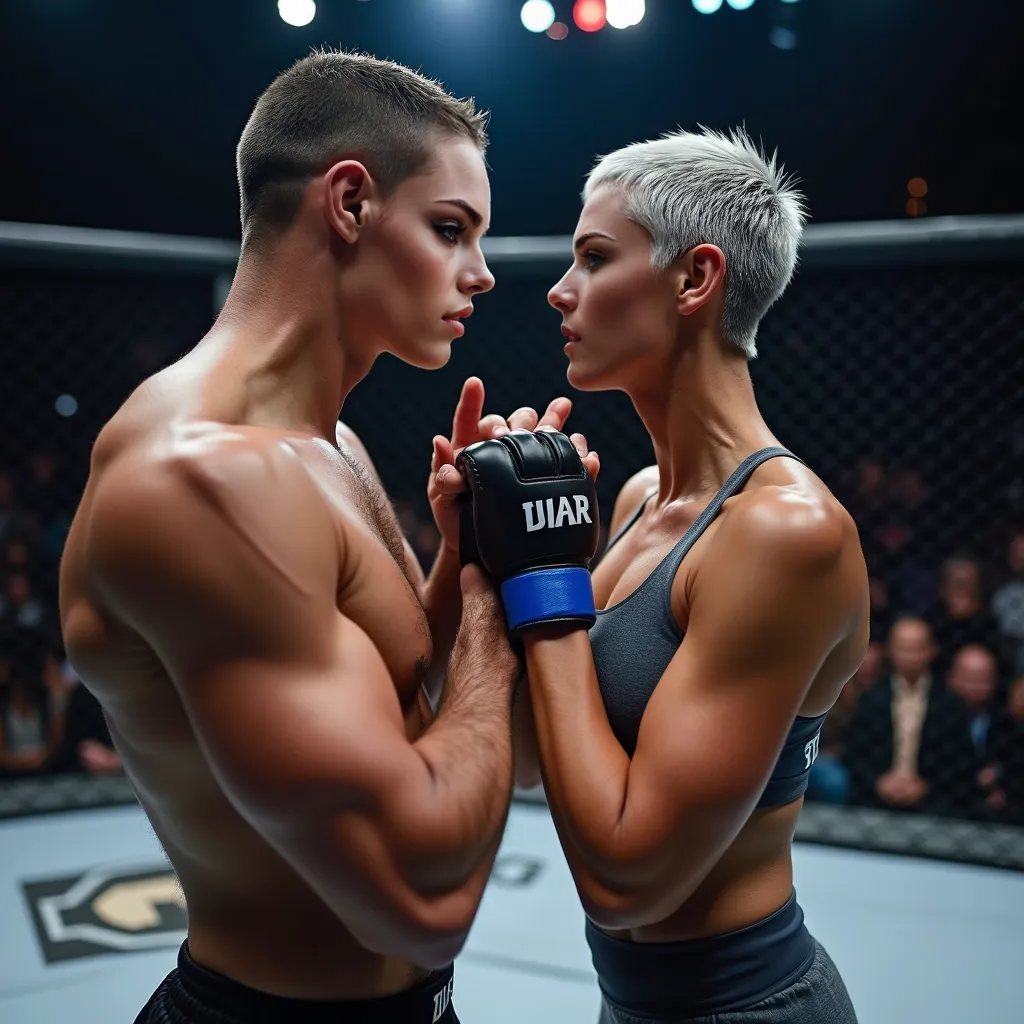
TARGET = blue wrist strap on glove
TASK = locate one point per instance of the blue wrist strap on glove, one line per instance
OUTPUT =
(548, 595)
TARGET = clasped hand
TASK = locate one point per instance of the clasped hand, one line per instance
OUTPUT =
(470, 425)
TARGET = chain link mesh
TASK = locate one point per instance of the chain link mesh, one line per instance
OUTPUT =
(899, 385)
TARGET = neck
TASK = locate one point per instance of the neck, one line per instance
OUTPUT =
(282, 337)
(702, 418)
(913, 679)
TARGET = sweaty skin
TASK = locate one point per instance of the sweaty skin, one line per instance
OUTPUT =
(668, 845)
(773, 603)
(241, 602)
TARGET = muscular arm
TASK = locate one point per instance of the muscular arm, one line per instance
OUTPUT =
(293, 705)
(770, 601)
(524, 729)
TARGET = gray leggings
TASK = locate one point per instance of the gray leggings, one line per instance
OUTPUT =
(819, 997)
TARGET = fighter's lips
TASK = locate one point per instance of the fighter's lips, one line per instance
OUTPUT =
(571, 335)
(454, 320)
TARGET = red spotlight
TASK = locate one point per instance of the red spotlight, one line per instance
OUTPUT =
(559, 30)
(590, 15)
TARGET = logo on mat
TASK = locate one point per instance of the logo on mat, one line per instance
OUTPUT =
(564, 516)
(107, 911)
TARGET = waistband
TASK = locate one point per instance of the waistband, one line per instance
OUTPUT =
(204, 995)
(699, 977)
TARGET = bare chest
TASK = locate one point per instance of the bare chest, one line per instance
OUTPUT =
(375, 584)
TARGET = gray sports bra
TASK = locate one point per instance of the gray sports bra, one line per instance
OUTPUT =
(634, 640)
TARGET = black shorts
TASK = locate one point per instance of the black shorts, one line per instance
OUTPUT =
(771, 972)
(192, 994)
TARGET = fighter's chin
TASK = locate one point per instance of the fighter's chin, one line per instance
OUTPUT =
(426, 355)
(583, 379)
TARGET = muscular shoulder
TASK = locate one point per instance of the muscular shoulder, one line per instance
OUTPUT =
(633, 491)
(794, 549)
(204, 498)
(792, 529)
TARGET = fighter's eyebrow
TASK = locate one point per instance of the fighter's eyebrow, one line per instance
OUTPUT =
(583, 239)
(475, 217)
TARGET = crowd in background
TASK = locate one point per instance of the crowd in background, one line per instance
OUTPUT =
(933, 720)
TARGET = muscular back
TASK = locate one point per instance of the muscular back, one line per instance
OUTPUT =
(191, 527)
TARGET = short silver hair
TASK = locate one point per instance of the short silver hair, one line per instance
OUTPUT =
(688, 188)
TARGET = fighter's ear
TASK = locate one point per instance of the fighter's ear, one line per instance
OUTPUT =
(701, 271)
(348, 187)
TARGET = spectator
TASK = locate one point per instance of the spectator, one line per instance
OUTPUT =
(22, 626)
(85, 744)
(18, 605)
(909, 745)
(830, 778)
(973, 677)
(868, 504)
(25, 740)
(910, 528)
(960, 617)
(45, 495)
(14, 522)
(1008, 601)
(880, 614)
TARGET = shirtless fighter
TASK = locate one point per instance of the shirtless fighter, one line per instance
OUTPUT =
(677, 724)
(236, 593)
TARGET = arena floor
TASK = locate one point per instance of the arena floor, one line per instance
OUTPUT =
(90, 925)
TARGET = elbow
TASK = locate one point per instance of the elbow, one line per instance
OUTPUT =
(439, 932)
(432, 950)
(633, 911)
(609, 906)
(618, 911)
(623, 906)
(425, 938)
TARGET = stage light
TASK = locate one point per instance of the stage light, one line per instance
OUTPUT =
(707, 6)
(740, 5)
(537, 15)
(558, 31)
(589, 15)
(790, 1)
(296, 12)
(625, 13)
(66, 405)
(783, 38)
(917, 187)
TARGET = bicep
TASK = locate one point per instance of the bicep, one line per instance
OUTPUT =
(317, 759)
(756, 638)
(241, 609)
(287, 733)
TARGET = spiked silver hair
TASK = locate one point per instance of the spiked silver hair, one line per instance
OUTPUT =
(688, 188)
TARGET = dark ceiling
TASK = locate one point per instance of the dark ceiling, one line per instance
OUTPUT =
(126, 114)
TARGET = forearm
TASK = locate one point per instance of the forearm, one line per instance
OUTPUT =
(635, 858)
(467, 751)
(405, 868)
(584, 767)
(442, 602)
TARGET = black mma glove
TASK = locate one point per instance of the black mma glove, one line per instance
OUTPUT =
(530, 518)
